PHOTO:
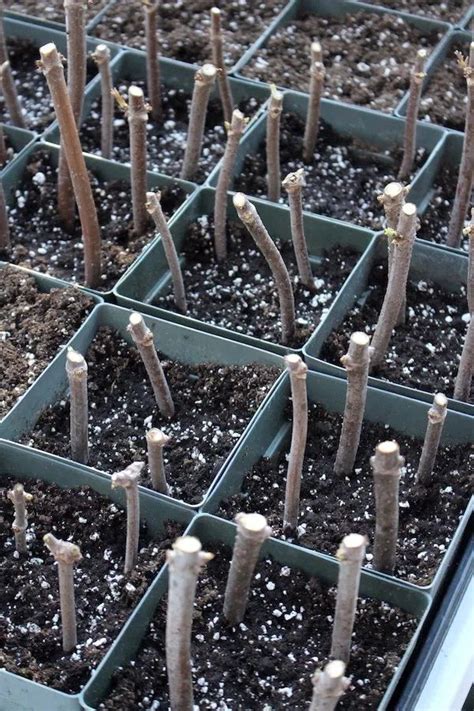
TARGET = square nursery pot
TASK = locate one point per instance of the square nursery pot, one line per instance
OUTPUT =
(213, 531)
(17, 140)
(271, 435)
(16, 692)
(54, 17)
(173, 340)
(131, 66)
(103, 169)
(448, 271)
(150, 277)
(45, 284)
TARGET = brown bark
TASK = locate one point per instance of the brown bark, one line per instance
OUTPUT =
(409, 141)
(12, 101)
(234, 133)
(298, 371)
(436, 417)
(19, 498)
(137, 120)
(393, 199)
(249, 216)
(53, 71)
(128, 480)
(293, 184)
(386, 465)
(356, 362)
(66, 555)
(153, 74)
(203, 83)
(156, 440)
(252, 531)
(4, 226)
(225, 91)
(101, 56)
(316, 88)
(329, 685)
(76, 369)
(462, 386)
(273, 144)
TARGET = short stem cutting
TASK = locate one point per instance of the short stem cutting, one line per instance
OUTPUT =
(185, 561)
(329, 685)
(316, 88)
(350, 555)
(462, 386)
(234, 133)
(386, 465)
(143, 339)
(393, 199)
(416, 86)
(156, 440)
(273, 144)
(4, 226)
(66, 555)
(153, 205)
(128, 480)
(436, 417)
(12, 101)
(101, 56)
(293, 184)
(218, 60)
(298, 372)
(203, 83)
(153, 75)
(137, 120)
(76, 369)
(356, 362)
(19, 498)
(249, 216)
(252, 531)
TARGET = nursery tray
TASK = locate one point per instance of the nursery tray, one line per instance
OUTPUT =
(19, 139)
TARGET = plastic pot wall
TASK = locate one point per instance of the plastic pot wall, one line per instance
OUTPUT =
(19, 140)
(173, 340)
(212, 531)
(271, 435)
(449, 271)
(151, 277)
(16, 692)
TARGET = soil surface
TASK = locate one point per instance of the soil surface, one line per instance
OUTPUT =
(368, 57)
(53, 10)
(184, 27)
(167, 141)
(241, 295)
(446, 11)
(423, 353)
(267, 662)
(338, 161)
(30, 630)
(435, 220)
(33, 327)
(331, 505)
(213, 406)
(40, 242)
(444, 100)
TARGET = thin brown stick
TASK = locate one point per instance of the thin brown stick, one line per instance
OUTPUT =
(76, 369)
(356, 362)
(156, 440)
(469, 232)
(293, 184)
(409, 141)
(4, 225)
(19, 498)
(143, 339)
(436, 417)
(153, 74)
(386, 465)
(203, 83)
(128, 480)
(329, 685)
(66, 555)
(273, 144)
(234, 133)
(393, 199)
(101, 57)
(225, 91)
(12, 101)
(316, 88)
(466, 168)
(137, 120)
(249, 216)
(252, 531)
(462, 386)
(298, 372)
(53, 71)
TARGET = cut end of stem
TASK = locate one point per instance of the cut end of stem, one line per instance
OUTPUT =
(101, 54)
(294, 181)
(156, 436)
(239, 200)
(296, 366)
(409, 209)
(207, 73)
(252, 522)
(335, 669)
(63, 551)
(359, 338)
(187, 544)
(75, 360)
(316, 52)
(393, 190)
(353, 541)
(441, 400)
(48, 52)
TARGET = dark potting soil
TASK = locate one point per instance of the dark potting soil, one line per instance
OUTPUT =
(332, 506)
(40, 242)
(213, 403)
(435, 220)
(446, 11)
(184, 27)
(368, 57)
(423, 353)
(52, 10)
(267, 662)
(445, 99)
(30, 628)
(343, 180)
(241, 295)
(33, 327)
(167, 141)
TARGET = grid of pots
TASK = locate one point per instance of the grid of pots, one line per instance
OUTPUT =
(30, 426)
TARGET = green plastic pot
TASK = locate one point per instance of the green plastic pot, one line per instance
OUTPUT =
(444, 268)
(271, 435)
(16, 692)
(53, 24)
(104, 169)
(211, 531)
(467, 20)
(150, 276)
(173, 340)
(19, 140)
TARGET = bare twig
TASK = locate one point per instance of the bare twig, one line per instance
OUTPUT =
(409, 142)
(298, 371)
(19, 498)
(156, 440)
(128, 480)
(203, 83)
(329, 685)
(153, 74)
(436, 417)
(293, 184)
(273, 143)
(137, 119)
(316, 88)
(66, 555)
(218, 61)
(386, 465)
(12, 101)
(76, 369)
(252, 531)
(249, 216)
(4, 226)
(101, 57)
(462, 385)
